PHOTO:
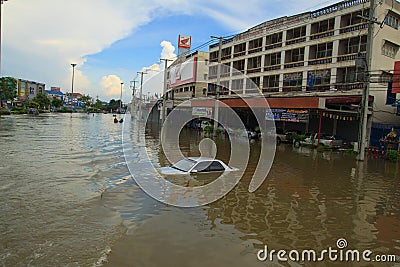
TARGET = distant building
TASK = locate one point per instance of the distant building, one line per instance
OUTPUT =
(54, 94)
(27, 90)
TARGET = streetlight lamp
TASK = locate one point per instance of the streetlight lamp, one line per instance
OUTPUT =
(72, 87)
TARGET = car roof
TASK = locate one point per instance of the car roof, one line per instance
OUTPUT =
(199, 159)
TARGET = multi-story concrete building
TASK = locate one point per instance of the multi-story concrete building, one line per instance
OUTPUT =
(29, 89)
(311, 57)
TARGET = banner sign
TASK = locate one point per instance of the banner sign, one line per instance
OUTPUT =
(202, 112)
(396, 78)
(291, 115)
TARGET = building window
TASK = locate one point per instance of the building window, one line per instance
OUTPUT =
(271, 83)
(254, 64)
(255, 46)
(239, 50)
(238, 66)
(273, 59)
(353, 45)
(353, 18)
(226, 53)
(294, 55)
(214, 56)
(318, 80)
(296, 33)
(392, 21)
(213, 71)
(321, 50)
(237, 85)
(273, 41)
(292, 81)
(389, 50)
(253, 85)
(323, 26)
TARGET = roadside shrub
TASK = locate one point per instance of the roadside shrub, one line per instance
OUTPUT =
(393, 155)
(208, 129)
(298, 137)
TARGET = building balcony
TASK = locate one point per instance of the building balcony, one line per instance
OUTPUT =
(296, 41)
(294, 64)
(239, 54)
(352, 28)
(270, 90)
(254, 70)
(319, 61)
(348, 57)
(255, 50)
(349, 86)
(273, 46)
(272, 67)
(322, 35)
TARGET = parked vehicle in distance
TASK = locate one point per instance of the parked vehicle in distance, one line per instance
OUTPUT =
(196, 165)
(324, 139)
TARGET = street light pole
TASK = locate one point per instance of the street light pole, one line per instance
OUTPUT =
(218, 83)
(164, 108)
(1, 15)
(140, 92)
(72, 87)
(120, 100)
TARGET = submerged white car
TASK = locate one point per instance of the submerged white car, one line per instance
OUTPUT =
(196, 165)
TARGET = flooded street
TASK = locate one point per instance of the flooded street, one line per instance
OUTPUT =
(67, 198)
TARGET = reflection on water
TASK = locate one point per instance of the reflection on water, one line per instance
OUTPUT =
(309, 200)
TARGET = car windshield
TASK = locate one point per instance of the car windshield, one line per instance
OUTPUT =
(184, 165)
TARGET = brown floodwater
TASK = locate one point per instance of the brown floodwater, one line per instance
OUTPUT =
(309, 200)
(67, 198)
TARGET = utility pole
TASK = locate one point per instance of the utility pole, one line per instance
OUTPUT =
(140, 92)
(362, 142)
(216, 111)
(164, 108)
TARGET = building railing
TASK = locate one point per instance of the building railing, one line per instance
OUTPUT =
(254, 70)
(239, 54)
(255, 50)
(351, 28)
(319, 61)
(270, 89)
(322, 35)
(320, 87)
(349, 86)
(272, 46)
(291, 88)
(294, 64)
(348, 57)
(272, 67)
(296, 41)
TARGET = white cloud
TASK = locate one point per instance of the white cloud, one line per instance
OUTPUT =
(111, 86)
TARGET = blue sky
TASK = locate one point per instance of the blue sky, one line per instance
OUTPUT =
(112, 40)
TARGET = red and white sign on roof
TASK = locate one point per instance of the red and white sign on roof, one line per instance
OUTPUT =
(184, 41)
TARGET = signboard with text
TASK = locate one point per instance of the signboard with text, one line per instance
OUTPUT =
(290, 115)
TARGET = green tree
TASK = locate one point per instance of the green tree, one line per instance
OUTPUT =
(57, 103)
(86, 100)
(98, 105)
(113, 105)
(42, 100)
(8, 88)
